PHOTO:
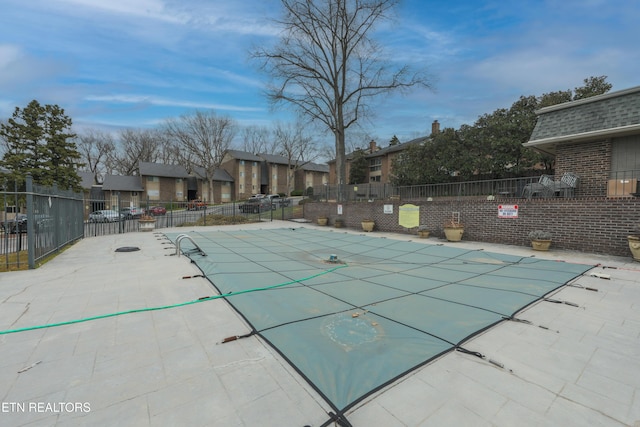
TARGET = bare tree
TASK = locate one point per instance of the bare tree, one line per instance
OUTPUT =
(95, 146)
(327, 65)
(135, 146)
(297, 147)
(203, 138)
(258, 139)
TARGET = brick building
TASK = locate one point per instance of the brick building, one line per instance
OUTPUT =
(597, 138)
(380, 159)
(246, 169)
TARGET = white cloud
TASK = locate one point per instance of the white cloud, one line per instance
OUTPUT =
(164, 102)
(153, 9)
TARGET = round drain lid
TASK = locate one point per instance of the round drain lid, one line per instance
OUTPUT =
(128, 249)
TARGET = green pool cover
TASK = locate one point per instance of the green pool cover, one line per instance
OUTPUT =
(384, 308)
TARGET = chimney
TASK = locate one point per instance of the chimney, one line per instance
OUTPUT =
(372, 146)
(435, 127)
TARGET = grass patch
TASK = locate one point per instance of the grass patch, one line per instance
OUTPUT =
(221, 220)
(10, 262)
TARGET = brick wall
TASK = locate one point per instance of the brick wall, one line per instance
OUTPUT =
(591, 161)
(586, 224)
(168, 189)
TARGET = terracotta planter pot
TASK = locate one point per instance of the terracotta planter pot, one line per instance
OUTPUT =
(453, 234)
(634, 246)
(323, 220)
(423, 234)
(540, 245)
(367, 225)
(338, 223)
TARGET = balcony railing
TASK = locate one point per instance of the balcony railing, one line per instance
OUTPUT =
(508, 187)
(620, 184)
(623, 183)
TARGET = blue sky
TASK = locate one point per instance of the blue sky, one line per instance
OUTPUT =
(115, 64)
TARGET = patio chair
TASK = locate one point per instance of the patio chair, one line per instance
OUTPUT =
(567, 184)
(545, 187)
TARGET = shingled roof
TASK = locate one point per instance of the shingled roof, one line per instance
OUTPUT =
(219, 174)
(122, 183)
(315, 167)
(243, 155)
(159, 169)
(610, 115)
(87, 179)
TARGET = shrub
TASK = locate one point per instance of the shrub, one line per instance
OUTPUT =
(539, 235)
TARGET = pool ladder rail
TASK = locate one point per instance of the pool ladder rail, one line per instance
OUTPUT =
(197, 248)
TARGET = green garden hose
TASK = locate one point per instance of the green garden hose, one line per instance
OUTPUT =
(164, 307)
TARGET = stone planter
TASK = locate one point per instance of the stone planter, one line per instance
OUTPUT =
(323, 220)
(423, 234)
(368, 225)
(540, 245)
(338, 223)
(147, 224)
(634, 246)
(453, 234)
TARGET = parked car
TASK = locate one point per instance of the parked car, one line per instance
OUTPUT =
(132, 212)
(277, 201)
(105, 216)
(157, 210)
(16, 225)
(19, 223)
(255, 205)
(196, 205)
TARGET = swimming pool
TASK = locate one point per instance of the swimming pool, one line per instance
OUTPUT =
(353, 313)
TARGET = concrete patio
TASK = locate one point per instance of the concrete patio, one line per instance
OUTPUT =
(574, 364)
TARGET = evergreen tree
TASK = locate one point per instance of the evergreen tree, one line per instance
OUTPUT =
(39, 141)
(358, 172)
(491, 146)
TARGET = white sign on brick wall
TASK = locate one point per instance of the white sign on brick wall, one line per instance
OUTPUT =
(508, 211)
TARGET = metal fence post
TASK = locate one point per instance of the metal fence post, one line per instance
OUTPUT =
(171, 212)
(30, 224)
(55, 213)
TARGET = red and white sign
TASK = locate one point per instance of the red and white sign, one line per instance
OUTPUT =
(508, 211)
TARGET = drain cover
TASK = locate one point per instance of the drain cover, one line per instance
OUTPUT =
(128, 249)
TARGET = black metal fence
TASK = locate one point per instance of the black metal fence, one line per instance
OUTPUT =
(124, 215)
(512, 187)
(37, 221)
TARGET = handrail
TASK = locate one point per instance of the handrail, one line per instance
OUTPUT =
(186, 236)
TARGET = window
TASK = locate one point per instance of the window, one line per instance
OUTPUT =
(375, 164)
(241, 162)
(625, 157)
(241, 174)
(153, 179)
